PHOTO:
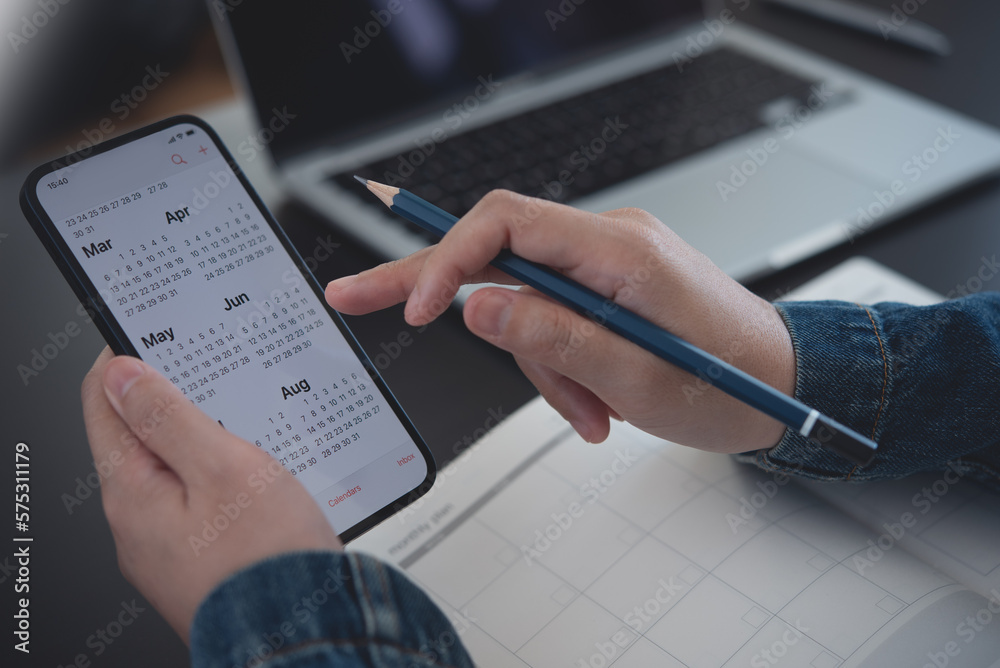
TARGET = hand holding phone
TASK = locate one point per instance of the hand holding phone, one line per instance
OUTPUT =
(180, 264)
(188, 502)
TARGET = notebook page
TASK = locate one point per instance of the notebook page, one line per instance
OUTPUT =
(548, 551)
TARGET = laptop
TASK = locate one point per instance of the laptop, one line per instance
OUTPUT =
(756, 152)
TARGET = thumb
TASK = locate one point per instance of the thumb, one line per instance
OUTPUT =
(166, 421)
(538, 329)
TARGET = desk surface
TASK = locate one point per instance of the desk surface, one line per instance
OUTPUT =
(76, 589)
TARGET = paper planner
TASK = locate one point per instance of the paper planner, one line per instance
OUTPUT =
(547, 551)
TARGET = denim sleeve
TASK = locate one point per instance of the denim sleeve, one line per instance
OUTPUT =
(922, 382)
(322, 609)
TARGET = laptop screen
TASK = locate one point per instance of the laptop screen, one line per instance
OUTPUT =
(325, 72)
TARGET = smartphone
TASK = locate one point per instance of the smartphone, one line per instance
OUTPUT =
(178, 262)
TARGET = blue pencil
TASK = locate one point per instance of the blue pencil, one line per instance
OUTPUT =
(807, 421)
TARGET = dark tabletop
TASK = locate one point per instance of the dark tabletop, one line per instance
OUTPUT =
(447, 380)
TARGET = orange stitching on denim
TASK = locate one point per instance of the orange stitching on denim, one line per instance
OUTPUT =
(885, 372)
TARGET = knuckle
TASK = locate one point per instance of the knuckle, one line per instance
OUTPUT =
(636, 215)
(114, 509)
(90, 386)
(501, 204)
(498, 198)
(645, 218)
(127, 562)
(148, 403)
(550, 334)
(403, 264)
(93, 382)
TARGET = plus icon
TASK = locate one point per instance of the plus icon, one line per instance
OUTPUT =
(202, 150)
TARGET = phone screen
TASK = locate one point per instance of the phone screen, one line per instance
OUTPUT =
(198, 282)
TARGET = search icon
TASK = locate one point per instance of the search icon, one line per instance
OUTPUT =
(177, 159)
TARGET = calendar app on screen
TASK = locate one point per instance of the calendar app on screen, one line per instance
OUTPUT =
(204, 290)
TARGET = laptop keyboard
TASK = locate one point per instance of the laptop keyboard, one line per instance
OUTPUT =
(577, 146)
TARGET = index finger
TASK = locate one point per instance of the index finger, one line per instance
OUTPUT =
(589, 247)
(391, 283)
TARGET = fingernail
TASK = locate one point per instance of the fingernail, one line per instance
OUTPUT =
(492, 313)
(343, 283)
(119, 377)
(413, 309)
(582, 430)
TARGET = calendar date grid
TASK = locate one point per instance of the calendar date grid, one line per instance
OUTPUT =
(151, 268)
(270, 337)
(328, 421)
(115, 203)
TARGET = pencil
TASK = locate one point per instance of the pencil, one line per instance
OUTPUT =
(807, 421)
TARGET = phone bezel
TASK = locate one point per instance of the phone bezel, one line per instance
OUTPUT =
(90, 297)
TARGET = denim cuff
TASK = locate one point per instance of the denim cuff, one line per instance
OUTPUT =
(842, 371)
(920, 381)
(322, 609)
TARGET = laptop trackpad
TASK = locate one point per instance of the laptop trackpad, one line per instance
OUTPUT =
(738, 212)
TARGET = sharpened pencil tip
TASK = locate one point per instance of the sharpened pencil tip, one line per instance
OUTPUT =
(380, 190)
(360, 180)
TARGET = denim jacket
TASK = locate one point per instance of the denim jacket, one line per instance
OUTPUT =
(322, 609)
(923, 382)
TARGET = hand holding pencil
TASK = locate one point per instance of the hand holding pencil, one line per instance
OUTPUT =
(586, 372)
